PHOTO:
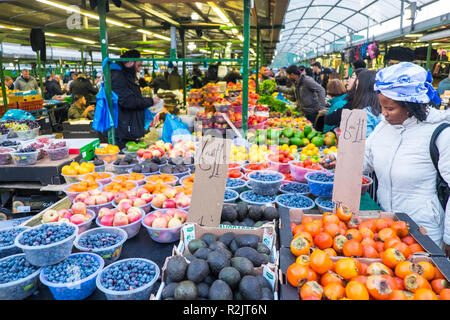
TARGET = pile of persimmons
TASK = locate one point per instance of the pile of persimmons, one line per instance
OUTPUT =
(340, 257)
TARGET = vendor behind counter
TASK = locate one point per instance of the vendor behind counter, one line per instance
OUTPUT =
(78, 109)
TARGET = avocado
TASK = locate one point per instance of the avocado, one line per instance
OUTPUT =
(196, 244)
(250, 288)
(231, 276)
(249, 222)
(258, 224)
(209, 279)
(255, 213)
(242, 224)
(242, 210)
(208, 238)
(197, 270)
(220, 290)
(270, 213)
(186, 290)
(169, 290)
(203, 290)
(251, 254)
(176, 268)
(266, 294)
(262, 248)
(227, 253)
(247, 240)
(202, 253)
(263, 282)
(229, 213)
(237, 295)
(243, 265)
(190, 257)
(217, 261)
(233, 246)
(265, 258)
(217, 244)
(235, 223)
(226, 238)
(226, 223)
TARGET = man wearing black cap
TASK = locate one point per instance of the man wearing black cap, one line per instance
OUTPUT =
(132, 105)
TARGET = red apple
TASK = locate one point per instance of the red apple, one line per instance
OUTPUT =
(131, 193)
(181, 215)
(149, 219)
(120, 219)
(101, 199)
(139, 202)
(158, 200)
(170, 192)
(50, 216)
(141, 191)
(169, 203)
(171, 212)
(81, 197)
(79, 208)
(105, 212)
(64, 220)
(63, 212)
(140, 153)
(174, 222)
(124, 205)
(107, 220)
(159, 223)
(120, 196)
(147, 197)
(109, 195)
(134, 214)
(95, 192)
(90, 201)
(78, 218)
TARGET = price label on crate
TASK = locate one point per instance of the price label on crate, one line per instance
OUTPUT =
(350, 160)
(211, 173)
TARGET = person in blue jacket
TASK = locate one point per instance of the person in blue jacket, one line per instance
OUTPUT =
(336, 91)
(131, 104)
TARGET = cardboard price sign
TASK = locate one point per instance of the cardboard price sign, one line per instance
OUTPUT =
(350, 160)
(211, 173)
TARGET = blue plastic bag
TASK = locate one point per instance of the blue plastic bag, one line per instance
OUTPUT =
(17, 114)
(102, 117)
(149, 116)
(173, 126)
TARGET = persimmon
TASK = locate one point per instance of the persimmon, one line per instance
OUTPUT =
(404, 268)
(415, 247)
(297, 274)
(353, 234)
(298, 228)
(307, 220)
(311, 290)
(370, 252)
(312, 275)
(390, 242)
(415, 281)
(344, 213)
(353, 223)
(338, 243)
(319, 261)
(300, 246)
(334, 291)
(352, 248)
(366, 233)
(330, 277)
(346, 268)
(342, 225)
(400, 228)
(356, 291)
(444, 294)
(332, 229)
(379, 287)
(399, 283)
(323, 240)
(409, 240)
(386, 233)
(391, 257)
(377, 268)
(400, 295)
(369, 224)
(331, 218)
(392, 282)
(403, 248)
(330, 252)
(368, 242)
(318, 222)
(439, 284)
(305, 235)
(379, 245)
(425, 294)
(312, 228)
(303, 260)
(361, 279)
(427, 270)
(438, 274)
(363, 268)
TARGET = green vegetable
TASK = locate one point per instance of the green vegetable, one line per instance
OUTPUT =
(307, 130)
(288, 132)
(284, 140)
(267, 87)
(273, 133)
(312, 135)
(297, 141)
(133, 148)
(299, 134)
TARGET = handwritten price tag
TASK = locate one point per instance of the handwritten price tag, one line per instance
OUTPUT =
(211, 172)
(350, 160)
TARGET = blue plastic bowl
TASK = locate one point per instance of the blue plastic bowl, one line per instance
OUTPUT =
(322, 207)
(19, 289)
(284, 209)
(77, 290)
(319, 188)
(11, 249)
(234, 198)
(109, 254)
(141, 293)
(46, 255)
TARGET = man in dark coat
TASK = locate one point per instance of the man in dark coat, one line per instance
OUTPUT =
(131, 103)
(83, 86)
(52, 88)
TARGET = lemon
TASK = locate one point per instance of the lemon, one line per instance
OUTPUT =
(333, 148)
(309, 153)
(326, 151)
(242, 149)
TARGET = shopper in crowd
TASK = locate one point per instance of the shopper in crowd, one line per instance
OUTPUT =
(52, 88)
(81, 85)
(282, 79)
(264, 73)
(324, 77)
(359, 64)
(98, 80)
(131, 103)
(337, 93)
(159, 82)
(398, 150)
(9, 83)
(309, 95)
(26, 82)
(232, 76)
(334, 75)
(317, 72)
(196, 77)
(175, 81)
(78, 109)
(443, 85)
(73, 76)
(211, 75)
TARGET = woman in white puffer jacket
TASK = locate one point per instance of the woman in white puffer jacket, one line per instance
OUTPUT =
(398, 149)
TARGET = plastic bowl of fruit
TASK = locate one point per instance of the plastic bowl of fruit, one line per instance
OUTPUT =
(18, 285)
(102, 178)
(299, 169)
(237, 185)
(78, 281)
(5, 156)
(48, 243)
(83, 226)
(265, 182)
(132, 154)
(288, 201)
(114, 290)
(279, 162)
(235, 174)
(57, 151)
(295, 187)
(99, 165)
(25, 157)
(252, 198)
(74, 189)
(138, 178)
(320, 183)
(161, 229)
(27, 134)
(254, 166)
(107, 153)
(7, 237)
(366, 183)
(163, 178)
(132, 229)
(107, 242)
(230, 196)
(324, 204)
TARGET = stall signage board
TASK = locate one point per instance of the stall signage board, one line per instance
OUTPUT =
(211, 173)
(350, 159)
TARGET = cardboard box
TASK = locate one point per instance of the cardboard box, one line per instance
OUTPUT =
(64, 203)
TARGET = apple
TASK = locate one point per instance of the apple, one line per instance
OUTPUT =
(124, 205)
(174, 222)
(183, 201)
(149, 219)
(181, 215)
(107, 220)
(141, 191)
(79, 208)
(159, 223)
(64, 220)
(169, 203)
(95, 192)
(158, 200)
(105, 212)
(78, 218)
(171, 212)
(147, 155)
(119, 196)
(131, 193)
(147, 197)
(81, 197)
(109, 195)
(90, 201)
(139, 202)
(63, 212)
(168, 146)
(134, 214)
(140, 153)
(170, 192)
(101, 199)
(120, 219)
(132, 198)
(50, 216)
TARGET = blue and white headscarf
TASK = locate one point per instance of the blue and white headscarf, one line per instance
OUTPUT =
(406, 81)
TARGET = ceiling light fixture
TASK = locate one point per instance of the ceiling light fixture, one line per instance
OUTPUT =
(83, 40)
(218, 11)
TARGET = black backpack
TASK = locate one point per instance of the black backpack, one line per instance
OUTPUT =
(443, 190)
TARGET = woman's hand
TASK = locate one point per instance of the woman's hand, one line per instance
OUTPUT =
(328, 162)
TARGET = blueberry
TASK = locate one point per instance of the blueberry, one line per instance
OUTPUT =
(321, 177)
(99, 240)
(229, 195)
(15, 268)
(38, 237)
(7, 237)
(233, 183)
(325, 202)
(130, 276)
(294, 200)
(264, 176)
(250, 196)
(294, 187)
